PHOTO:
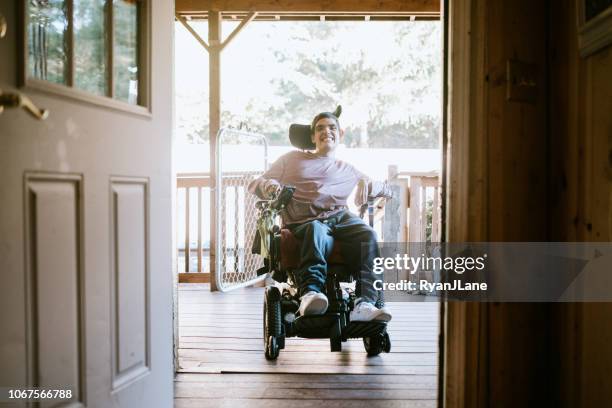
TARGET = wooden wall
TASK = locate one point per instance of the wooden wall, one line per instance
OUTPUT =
(549, 179)
(546, 172)
(581, 200)
(517, 334)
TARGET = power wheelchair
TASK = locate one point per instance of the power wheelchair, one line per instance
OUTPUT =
(280, 250)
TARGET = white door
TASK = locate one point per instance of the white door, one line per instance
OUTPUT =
(85, 220)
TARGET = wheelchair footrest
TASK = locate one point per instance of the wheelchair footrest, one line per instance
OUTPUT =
(355, 330)
(316, 326)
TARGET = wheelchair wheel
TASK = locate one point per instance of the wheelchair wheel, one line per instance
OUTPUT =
(335, 343)
(387, 343)
(272, 349)
(335, 337)
(272, 324)
(375, 345)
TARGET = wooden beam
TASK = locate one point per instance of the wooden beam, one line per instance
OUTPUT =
(396, 210)
(194, 277)
(192, 31)
(242, 24)
(466, 347)
(200, 266)
(316, 16)
(365, 6)
(415, 222)
(214, 114)
(187, 248)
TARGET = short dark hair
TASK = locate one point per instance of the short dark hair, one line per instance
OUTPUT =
(322, 115)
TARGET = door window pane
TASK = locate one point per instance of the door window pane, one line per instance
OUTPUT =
(47, 40)
(90, 46)
(125, 50)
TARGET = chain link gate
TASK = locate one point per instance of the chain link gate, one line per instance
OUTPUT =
(241, 157)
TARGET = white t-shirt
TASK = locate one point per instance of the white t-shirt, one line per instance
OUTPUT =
(322, 184)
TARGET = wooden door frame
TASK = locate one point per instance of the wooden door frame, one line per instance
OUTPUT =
(464, 344)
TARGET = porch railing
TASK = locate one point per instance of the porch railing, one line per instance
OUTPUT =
(193, 226)
(414, 213)
(412, 216)
(237, 227)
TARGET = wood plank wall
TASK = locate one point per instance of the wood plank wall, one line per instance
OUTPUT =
(509, 348)
(549, 178)
(517, 192)
(581, 201)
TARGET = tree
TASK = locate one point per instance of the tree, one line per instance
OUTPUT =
(90, 47)
(385, 74)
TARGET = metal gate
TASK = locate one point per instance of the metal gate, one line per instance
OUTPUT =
(241, 157)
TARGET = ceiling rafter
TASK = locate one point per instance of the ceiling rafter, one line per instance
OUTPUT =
(322, 6)
(245, 20)
(271, 10)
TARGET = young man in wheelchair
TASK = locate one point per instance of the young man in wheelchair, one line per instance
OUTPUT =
(318, 215)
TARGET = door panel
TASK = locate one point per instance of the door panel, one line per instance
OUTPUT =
(85, 236)
(130, 280)
(54, 275)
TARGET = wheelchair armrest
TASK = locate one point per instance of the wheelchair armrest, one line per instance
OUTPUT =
(373, 204)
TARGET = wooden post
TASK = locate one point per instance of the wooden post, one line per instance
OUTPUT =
(394, 225)
(423, 211)
(214, 48)
(214, 66)
(435, 218)
(187, 248)
(414, 229)
(200, 265)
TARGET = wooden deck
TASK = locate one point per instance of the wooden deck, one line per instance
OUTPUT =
(222, 364)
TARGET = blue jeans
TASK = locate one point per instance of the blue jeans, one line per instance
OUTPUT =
(358, 246)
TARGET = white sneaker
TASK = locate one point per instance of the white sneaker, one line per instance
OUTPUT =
(313, 303)
(365, 312)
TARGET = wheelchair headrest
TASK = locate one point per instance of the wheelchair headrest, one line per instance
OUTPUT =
(299, 135)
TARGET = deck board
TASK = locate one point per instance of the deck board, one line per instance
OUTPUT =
(221, 360)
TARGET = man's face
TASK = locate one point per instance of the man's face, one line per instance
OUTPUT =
(327, 136)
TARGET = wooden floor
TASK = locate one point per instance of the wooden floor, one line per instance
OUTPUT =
(222, 364)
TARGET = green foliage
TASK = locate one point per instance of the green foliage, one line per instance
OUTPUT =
(48, 44)
(47, 40)
(90, 47)
(125, 50)
(385, 74)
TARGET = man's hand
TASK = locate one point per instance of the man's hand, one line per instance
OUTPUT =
(361, 196)
(271, 189)
(371, 189)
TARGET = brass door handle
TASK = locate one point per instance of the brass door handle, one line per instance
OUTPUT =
(17, 100)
